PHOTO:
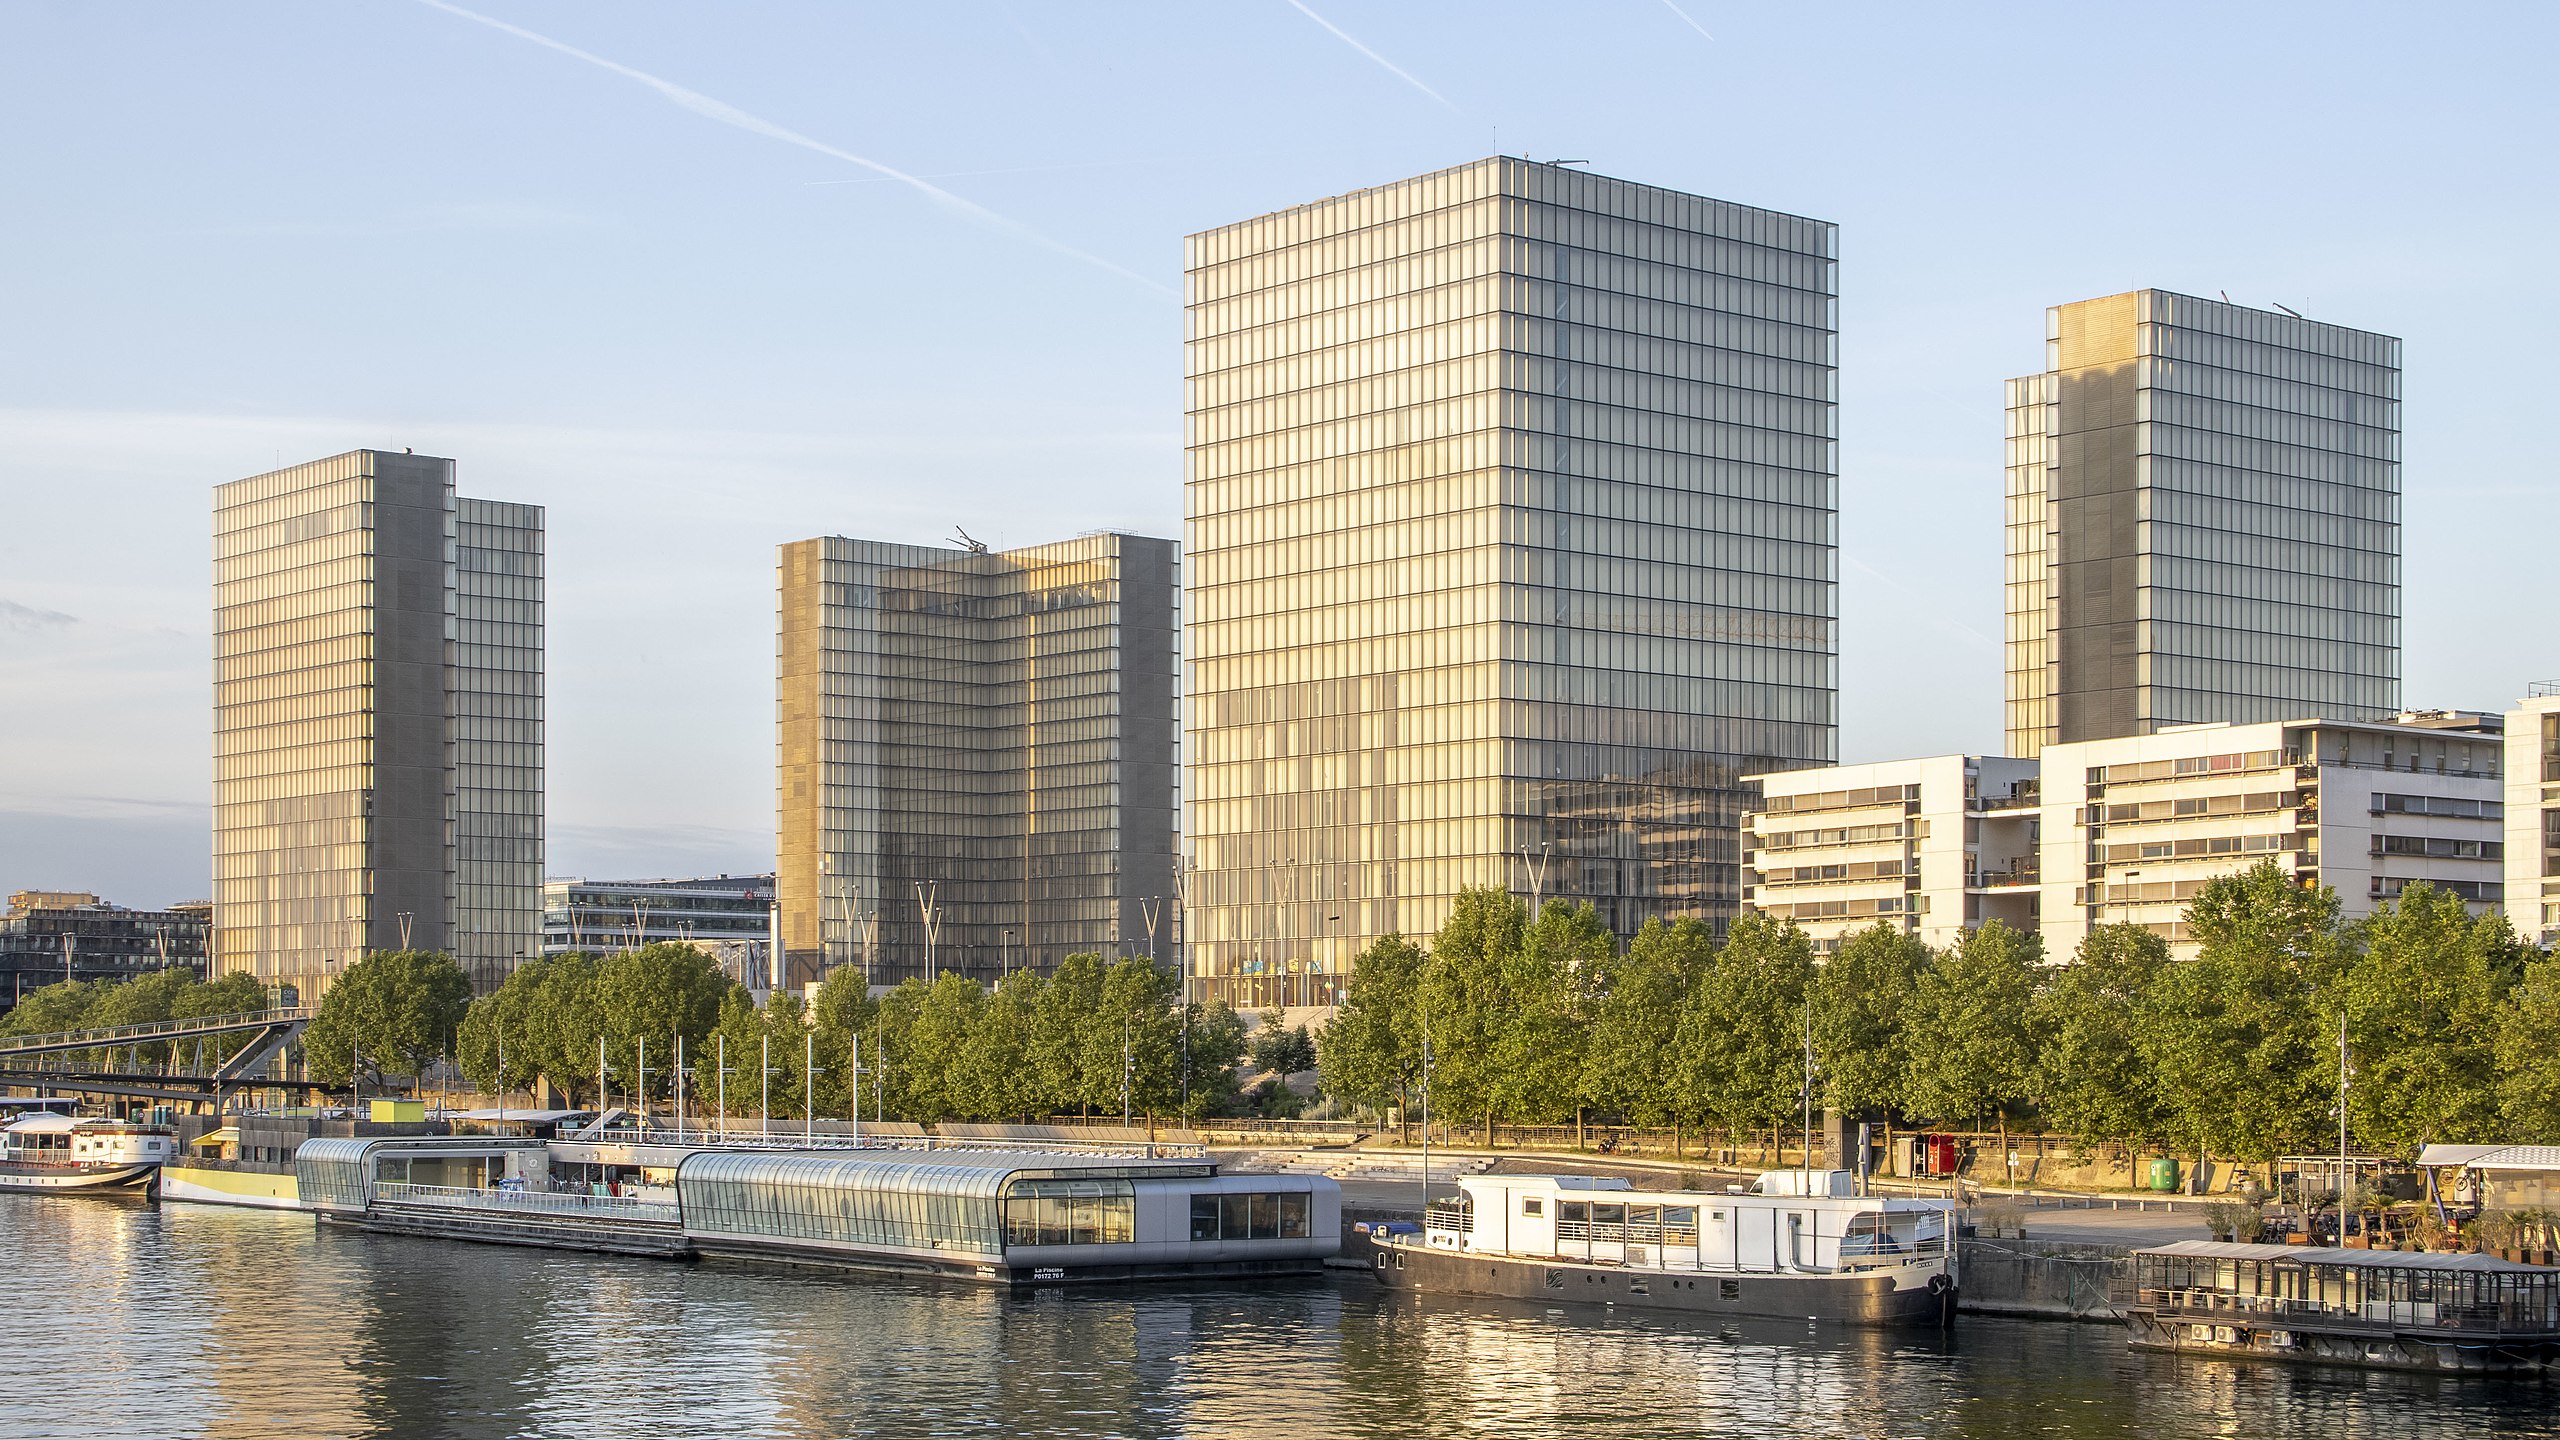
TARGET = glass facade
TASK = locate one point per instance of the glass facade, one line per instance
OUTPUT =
(990, 733)
(958, 1205)
(1510, 533)
(497, 737)
(377, 720)
(2203, 521)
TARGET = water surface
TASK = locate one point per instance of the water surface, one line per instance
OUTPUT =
(125, 1319)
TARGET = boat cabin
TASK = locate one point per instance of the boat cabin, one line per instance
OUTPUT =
(48, 1138)
(2360, 1307)
(1790, 1221)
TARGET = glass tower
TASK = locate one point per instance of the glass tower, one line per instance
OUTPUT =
(377, 716)
(2203, 521)
(977, 763)
(1510, 512)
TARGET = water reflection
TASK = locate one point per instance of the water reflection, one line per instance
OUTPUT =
(192, 1321)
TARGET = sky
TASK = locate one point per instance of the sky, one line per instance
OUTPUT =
(703, 279)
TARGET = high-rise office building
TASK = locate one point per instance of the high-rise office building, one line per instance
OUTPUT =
(1510, 511)
(377, 721)
(2203, 521)
(2531, 815)
(977, 767)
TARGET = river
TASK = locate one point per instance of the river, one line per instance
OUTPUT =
(122, 1318)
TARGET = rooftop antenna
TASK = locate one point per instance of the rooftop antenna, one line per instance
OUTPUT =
(1568, 162)
(2225, 294)
(2289, 310)
(969, 542)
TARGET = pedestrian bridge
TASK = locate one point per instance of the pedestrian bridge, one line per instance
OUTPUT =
(57, 1061)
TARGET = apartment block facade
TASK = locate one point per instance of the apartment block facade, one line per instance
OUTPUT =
(378, 712)
(978, 761)
(1510, 512)
(2133, 828)
(2202, 523)
(2533, 815)
(1932, 847)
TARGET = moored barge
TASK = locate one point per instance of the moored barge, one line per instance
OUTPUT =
(2383, 1309)
(54, 1154)
(1798, 1246)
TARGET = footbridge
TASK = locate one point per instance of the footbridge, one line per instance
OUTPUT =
(109, 1061)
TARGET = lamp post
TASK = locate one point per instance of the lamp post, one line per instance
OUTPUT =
(932, 913)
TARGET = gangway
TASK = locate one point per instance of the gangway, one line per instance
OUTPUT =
(151, 1032)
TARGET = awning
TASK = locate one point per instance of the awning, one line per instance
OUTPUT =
(227, 1135)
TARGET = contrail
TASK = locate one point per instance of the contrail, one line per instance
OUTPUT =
(1008, 170)
(726, 114)
(1384, 63)
(1684, 18)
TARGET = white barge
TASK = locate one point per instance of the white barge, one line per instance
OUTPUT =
(54, 1154)
(1798, 1246)
(2381, 1309)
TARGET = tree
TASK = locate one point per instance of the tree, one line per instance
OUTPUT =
(2091, 1079)
(991, 1077)
(1208, 1051)
(651, 996)
(2528, 1059)
(1741, 1050)
(546, 1013)
(1056, 1047)
(1467, 1000)
(2242, 1060)
(841, 1011)
(54, 1009)
(1971, 1036)
(2421, 1003)
(1370, 1052)
(1540, 1043)
(1635, 1019)
(400, 1006)
(1282, 1050)
(1861, 1003)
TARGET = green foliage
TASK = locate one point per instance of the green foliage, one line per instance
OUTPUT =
(1279, 1049)
(1635, 1019)
(1971, 1037)
(53, 1009)
(394, 1011)
(2092, 1079)
(2421, 1005)
(1209, 1050)
(1740, 1048)
(1861, 1005)
(2528, 1056)
(2232, 1038)
(650, 996)
(1370, 1052)
(550, 1016)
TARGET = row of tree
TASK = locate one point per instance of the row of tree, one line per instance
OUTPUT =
(171, 994)
(1035, 1045)
(2447, 1018)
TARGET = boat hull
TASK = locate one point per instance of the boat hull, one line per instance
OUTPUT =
(2369, 1349)
(196, 1185)
(23, 1178)
(1874, 1298)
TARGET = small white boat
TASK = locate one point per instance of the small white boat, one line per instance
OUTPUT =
(60, 1154)
(1798, 1246)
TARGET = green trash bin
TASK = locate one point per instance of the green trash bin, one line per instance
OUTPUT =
(2164, 1175)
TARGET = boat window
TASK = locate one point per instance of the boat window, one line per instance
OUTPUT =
(1282, 1216)
(1608, 1214)
(1533, 1206)
(1573, 1210)
(1680, 1223)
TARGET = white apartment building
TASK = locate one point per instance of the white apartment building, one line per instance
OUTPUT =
(2134, 827)
(1933, 846)
(2533, 815)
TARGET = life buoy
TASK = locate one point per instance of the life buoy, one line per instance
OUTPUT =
(1939, 1284)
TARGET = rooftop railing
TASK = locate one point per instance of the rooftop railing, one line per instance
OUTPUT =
(525, 1202)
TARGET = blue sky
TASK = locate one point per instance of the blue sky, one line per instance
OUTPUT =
(669, 301)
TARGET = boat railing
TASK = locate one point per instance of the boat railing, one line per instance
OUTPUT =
(697, 1137)
(1610, 1232)
(538, 1202)
(2198, 1302)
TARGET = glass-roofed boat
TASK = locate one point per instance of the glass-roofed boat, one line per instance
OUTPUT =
(2381, 1308)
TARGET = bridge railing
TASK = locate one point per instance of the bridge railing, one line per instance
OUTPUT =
(152, 1030)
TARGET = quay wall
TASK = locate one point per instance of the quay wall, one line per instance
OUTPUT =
(2034, 1280)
